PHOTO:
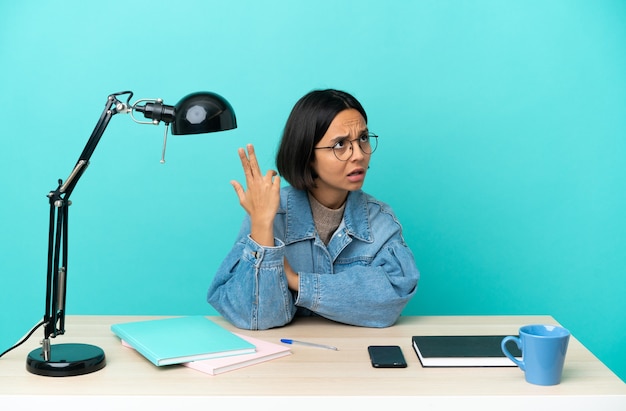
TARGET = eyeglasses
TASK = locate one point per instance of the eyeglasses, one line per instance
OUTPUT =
(343, 148)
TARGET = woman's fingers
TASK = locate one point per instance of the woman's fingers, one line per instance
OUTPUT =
(261, 194)
(239, 190)
(253, 164)
(245, 163)
(249, 161)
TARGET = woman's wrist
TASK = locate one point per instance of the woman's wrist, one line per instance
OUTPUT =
(263, 234)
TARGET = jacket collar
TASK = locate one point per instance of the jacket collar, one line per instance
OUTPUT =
(300, 225)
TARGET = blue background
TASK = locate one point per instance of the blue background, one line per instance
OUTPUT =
(502, 147)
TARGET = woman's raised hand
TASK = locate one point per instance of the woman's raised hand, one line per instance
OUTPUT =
(260, 198)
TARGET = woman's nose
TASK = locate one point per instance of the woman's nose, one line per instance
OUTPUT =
(356, 150)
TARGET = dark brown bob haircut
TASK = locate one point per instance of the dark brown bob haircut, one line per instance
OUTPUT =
(308, 122)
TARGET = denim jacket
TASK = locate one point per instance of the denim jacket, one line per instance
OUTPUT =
(365, 276)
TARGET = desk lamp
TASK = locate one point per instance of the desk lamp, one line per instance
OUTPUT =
(201, 112)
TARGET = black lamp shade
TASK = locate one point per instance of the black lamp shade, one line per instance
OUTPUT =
(203, 112)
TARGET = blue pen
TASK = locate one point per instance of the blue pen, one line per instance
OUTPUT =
(310, 344)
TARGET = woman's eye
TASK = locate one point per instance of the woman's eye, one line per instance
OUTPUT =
(340, 144)
(364, 138)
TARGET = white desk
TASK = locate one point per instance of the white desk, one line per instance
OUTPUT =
(311, 378)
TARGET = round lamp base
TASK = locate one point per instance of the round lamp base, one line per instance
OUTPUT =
(66, 360)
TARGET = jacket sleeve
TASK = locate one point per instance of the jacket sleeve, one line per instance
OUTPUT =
(250, 289)
(369, 295)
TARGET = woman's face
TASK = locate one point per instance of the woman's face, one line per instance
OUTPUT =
(335, 177)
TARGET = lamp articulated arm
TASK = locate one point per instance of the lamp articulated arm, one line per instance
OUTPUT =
(54, 316)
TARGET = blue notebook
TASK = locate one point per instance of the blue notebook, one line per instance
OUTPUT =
(181, 339)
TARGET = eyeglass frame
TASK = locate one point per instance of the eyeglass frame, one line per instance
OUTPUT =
(370, 135)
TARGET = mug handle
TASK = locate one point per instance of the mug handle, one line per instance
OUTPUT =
(506, 352)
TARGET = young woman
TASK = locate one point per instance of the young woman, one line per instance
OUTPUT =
(320, 246)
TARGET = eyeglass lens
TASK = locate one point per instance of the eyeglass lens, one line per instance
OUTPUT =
(367, 144)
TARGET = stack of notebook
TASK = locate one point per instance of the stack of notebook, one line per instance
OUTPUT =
(196, 342)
